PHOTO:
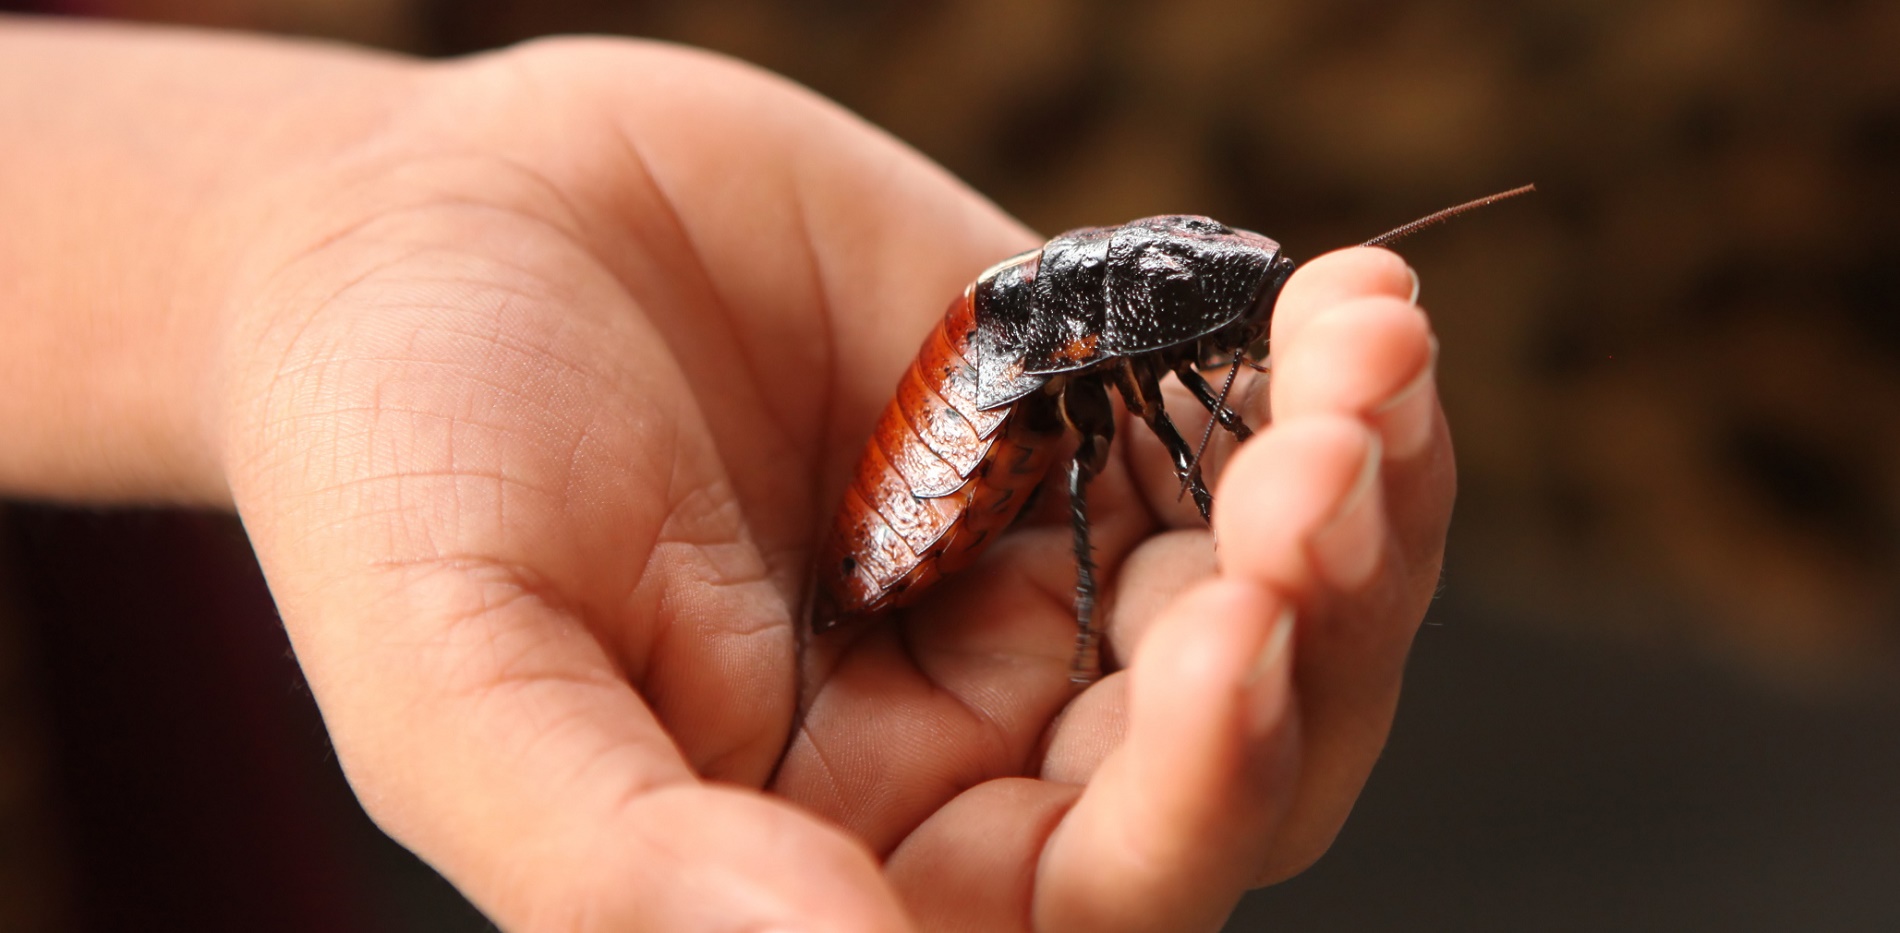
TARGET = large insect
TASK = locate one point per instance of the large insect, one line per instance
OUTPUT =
(1028, 352)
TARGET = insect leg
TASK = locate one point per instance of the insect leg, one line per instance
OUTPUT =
(1085, 408)
(1228, 418)
(1141, 392)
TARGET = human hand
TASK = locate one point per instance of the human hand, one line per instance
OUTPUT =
(1230, 751)
(525, 369)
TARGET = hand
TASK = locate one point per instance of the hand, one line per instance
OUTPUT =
(523, 373)
(1229, 753)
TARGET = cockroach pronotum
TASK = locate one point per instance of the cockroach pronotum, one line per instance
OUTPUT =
(1027, 353)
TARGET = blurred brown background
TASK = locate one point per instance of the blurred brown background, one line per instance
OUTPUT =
(1659, 691)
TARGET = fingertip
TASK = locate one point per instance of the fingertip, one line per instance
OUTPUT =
(1227, 633)
(1190, 640)
(1153, 578)
(1308, 475)
(1006, 823)
(1406, 418)
(1270, 679)
(1206, 698)
(1347, 548)
(1370, 358)
(1171, 829)
(1340, 276)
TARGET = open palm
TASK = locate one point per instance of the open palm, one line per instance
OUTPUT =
(534, 419)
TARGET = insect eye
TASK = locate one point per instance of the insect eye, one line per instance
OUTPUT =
(850, 565)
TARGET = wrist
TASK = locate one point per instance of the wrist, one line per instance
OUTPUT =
(134, 191)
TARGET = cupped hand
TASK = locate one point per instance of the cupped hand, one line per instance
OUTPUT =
(533, 399)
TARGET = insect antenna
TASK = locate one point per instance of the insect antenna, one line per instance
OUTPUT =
(1444, 215)
(1382, 239)
(1233, 369)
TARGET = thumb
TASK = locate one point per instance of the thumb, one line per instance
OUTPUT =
(488, 731)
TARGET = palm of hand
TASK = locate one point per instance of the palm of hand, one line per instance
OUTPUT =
(528, 444)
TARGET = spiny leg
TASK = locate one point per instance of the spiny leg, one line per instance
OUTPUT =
(1141, 392)
(1216, 405)
(1085, 408)
(1087, 664)
(1228, 418)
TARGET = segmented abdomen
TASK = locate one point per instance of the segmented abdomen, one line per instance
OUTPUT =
(938, 481)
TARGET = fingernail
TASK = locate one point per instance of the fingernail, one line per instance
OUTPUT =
(1267, 680)
(1414, 274)
(1346, 550)
(1405, 419)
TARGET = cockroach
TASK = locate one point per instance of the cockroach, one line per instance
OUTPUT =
(1028, 352)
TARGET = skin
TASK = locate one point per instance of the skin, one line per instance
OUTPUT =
(532, 376)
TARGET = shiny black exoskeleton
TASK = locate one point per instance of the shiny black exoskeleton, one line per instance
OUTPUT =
(1177, 286)
(1122, 306)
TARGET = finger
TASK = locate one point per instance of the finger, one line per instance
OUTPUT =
(1371, 360)
(1374, 359)
(488, 732)
(1154, 575)
(1369, 357)
(1089, 730)
(972, 865)
(1300, 507)
(1308, 517)
(1335, 278)
(1172, 827)
(1332, 279)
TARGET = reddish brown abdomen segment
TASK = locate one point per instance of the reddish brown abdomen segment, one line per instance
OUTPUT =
(938, 481)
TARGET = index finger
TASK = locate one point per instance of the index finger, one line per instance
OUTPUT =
(1337, 277)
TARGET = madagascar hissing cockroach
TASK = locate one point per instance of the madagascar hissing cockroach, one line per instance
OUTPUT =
(1025, 354)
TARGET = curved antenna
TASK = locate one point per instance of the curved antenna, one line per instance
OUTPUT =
(1380, 240)
(1444, 215)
